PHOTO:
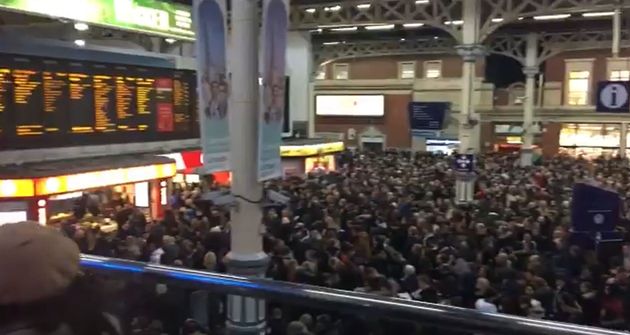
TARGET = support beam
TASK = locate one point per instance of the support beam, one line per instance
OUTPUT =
(616, 39)
(623, 145)
(245, 315)
(531, 70)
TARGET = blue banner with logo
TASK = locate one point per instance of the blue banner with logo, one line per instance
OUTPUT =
(594, 209)
(427, 116)
(272, 105)
(213, 84)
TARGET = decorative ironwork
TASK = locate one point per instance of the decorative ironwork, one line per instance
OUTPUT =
(443, 14)
(327, 53)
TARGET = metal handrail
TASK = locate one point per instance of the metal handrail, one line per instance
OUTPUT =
(355, 303)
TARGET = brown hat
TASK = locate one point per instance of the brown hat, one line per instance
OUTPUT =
(36, 262)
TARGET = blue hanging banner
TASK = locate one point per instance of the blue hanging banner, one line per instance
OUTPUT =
(427, 116)
(613, 97)
(594, 209)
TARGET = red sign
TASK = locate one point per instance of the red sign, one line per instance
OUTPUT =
(165, 122)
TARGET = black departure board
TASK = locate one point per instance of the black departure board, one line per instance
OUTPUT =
(46, 102)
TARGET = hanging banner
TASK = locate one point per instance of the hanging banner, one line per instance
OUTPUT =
(594, 208)
(212, 84)
(270, 118)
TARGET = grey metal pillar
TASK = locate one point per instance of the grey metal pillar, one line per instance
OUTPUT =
(245, 315)
(616, 33)
(470, 50)
(531, 70)
(623, 140)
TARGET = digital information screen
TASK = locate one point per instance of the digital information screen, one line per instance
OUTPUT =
(52, 103)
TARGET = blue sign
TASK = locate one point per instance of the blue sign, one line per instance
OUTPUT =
(464, 163)
(427, 115)
(613, 97)
(594, 209)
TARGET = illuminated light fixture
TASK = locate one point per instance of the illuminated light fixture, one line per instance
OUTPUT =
(310, 10)
(454, 22)
(497, 20)
(551, 17)
(331, 43)
(319, 30)
(520, 18)
(344, 29)
(364, 6)
(381, 27)
(435, 37)
(402, 39)
(422, 2)
(80, 43)
(80, 26)
(335, 8)
(598, 14)
(170, 40)
(52, 185)
(413, 25)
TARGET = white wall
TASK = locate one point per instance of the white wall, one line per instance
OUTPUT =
(299, 68)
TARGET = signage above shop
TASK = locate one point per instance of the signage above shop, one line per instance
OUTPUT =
(147, 16)
(310, 149)
(21, 188)
(613, 97)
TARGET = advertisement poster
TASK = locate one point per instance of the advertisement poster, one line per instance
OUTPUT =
(150, 16)
(212, 84)
(270, 119)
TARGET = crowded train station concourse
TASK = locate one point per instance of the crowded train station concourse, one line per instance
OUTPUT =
(314, 167)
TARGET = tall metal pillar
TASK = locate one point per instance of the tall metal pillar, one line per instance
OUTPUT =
(623, 140)
(245, 315)
(469, 135)
(616, 33)
(531, 70)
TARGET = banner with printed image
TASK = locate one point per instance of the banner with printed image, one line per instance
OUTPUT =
(212, 84)
(275, 27)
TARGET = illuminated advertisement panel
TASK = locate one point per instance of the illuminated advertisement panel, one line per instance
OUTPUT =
(148, 16)
(350, 105)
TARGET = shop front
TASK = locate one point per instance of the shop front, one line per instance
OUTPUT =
(590, 140)
(188, 162)
(51, 191)
(508, 138)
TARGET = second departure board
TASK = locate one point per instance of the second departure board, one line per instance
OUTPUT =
(54, 102)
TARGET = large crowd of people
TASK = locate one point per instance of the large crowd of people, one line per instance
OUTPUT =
(387, 224)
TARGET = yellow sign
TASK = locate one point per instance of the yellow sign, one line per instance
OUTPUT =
(19, 188)
(514, 140)
(310, 149)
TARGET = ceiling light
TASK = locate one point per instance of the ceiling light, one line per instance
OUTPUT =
(435, 37)
(598, 14)
(413, 25)
(319, 30)
(455, 22)
(311, 10)
(170, 40)
(520, 18)
(344, 29)
(80, 43)
(80, 26)
(402, 39)
(330, 43)
(364, 6)
(335, 8)
(497, 20)
(422, 2)
(381, 27)
(552, 17)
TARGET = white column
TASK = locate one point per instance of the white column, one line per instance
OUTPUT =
(616, 33)
(623, 139)
(246, 257)
(469, 135)
(530, 70)
(300, 71)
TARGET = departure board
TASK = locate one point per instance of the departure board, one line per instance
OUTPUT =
(49, 102)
